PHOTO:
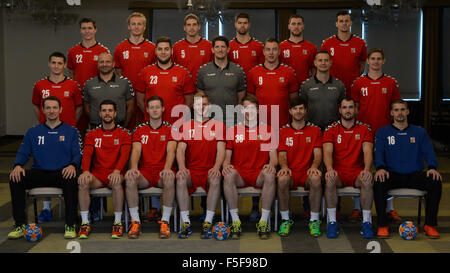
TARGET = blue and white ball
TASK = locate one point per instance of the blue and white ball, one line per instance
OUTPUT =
(33, 232)
(408, 230)
(221, 231)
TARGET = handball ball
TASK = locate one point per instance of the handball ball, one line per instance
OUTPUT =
(33, 232)
(408, 230)
(221, 231)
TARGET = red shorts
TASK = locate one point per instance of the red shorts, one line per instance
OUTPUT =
(102, 175)
(152, 176)
(299, 179)
(249, 177)
(198, 179)
(348, 177)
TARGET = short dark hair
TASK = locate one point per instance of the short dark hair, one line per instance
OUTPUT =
(242, 15)
(152, 98)
(322, 52)
(399, 101)
(346, 99)
(53, 98)
(220, 38)
(343, 13)
(251, 98)
(87, 20)
(298, 101)
(375, 50)
(163, 39)
(295, 16)
(108, 102)
(58, 55)
(271, 40)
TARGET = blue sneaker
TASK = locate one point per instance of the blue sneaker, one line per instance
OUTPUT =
(332, 230)
(186, 231)
(366, 230)
(206, 232)
(45, 216)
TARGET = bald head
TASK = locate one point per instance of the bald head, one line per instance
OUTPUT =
(105, 63)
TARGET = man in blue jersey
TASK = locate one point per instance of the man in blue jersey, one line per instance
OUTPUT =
(400, 149)
(55, 147)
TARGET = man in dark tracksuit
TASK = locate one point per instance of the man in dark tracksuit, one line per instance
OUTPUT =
(400, 149)
(55, 147)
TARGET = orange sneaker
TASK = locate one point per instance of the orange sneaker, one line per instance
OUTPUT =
(85, 230)
(431, 232)
(134, 230)
(355, 217)
(164, 230)
(393, 216)
(117, 231)
(154, 215)
(383, 232)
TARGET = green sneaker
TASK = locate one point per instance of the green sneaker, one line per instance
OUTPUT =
(286, 228)
(314, 228)
(17, 232)
(235, 229)
(263, 230)
(70, 232)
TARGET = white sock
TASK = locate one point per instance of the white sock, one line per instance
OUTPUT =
(264, 215)
(84, 217)
(314, 216)
(134, 213)
(209, 216)
(331, 214)
(357, 204)
(185, 216)
(167, 211)
(284, 215)
(156, 202)
(367, 216)
(47, 205)
(390, 205)
(118, 217)
(234, 215)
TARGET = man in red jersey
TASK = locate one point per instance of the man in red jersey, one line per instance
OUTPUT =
(82, 60)
(373, 94)
(250, 161)
(106, 152)
(245, 50)
(200, 154)
(193, 51)
(69, 93)
(297, 52)
(172, 82)
(300, 156)
(273, 83)
(348, 156)
(132, 55)
(348, 52)
(151, 165)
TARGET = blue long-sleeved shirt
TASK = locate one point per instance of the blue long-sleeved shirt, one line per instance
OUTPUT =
(52, 149)
(403, 151)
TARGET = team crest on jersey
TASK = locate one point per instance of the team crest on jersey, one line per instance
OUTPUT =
(259, 137)
(212, 133)
(412, 140)
(253, 53)
(95, 57)
(174, 79)
(353, 50)
(384, 90)
(61, 138)
(357, 137)
(116, 141)
(145, 54)
(281, 79)
(163, 138)
(66, 93)
(305, 52)
(308, 139)
(202, 52)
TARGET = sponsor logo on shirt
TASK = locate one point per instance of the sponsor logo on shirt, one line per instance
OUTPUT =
(212, 133)
(313, 88)
(281, 79)
(210, 74)
(113, 85)
(96, 87)
(332, 88)
(174, 79)
(357, 137)
(116, 141)
(56, 86)
(136, 47)
(193, 46)
(384, 90)
(253, 53)
(412, 140)
(229, 74)
(66, 93)
(95, 57)
(348, 132)
(145, 54)
(61, 138)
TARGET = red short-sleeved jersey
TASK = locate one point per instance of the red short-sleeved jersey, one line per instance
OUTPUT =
(84, 61)
(299, 146)
(300, 56)
(246, 55)
(154, 144)
(107, 145)
(272, 87)
(346, 57)
(374, 97)
(132, 58)
(170, 84)
(347, 144)
(201, 139)
(67, 91)
(246, 144)
(192, 56)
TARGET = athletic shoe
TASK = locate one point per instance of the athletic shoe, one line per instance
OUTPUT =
(70, 232)
(332, 230)
(314, 228)
(263, 230)
(235, 230)
(254, 216)
(45, 216)
(431, 232)
(306, 216)
(17, 232)
(85, 230)
(134, 230)
(393, 217)
(186, 231)
(366, 230)
(206, 232)
(383, 232)
(286, 228)
(117, 230)
(355, 217)
(154, 215)
(164, 230)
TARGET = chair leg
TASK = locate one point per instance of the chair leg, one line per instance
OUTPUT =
(419, 211)
(221, 209)
(35, 211)
(175, 226)
(60, 207)
(276, 215)
(101, 208)
(227, 213)
(126, 215)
